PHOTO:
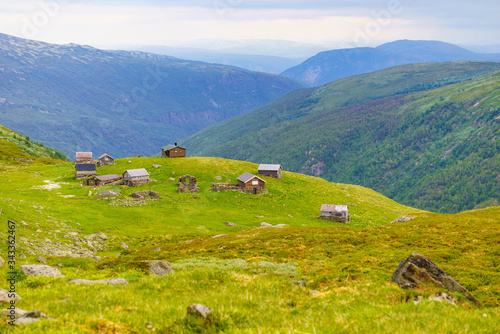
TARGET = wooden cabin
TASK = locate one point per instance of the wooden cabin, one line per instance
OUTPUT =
(173, 151)
(337, 213)
(103, 180)
(248, 180)
(84, 170)
(105, 160)
(82, 157)
(271, 170)
(136, 177)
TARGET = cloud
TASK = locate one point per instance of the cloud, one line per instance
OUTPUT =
(110, 22)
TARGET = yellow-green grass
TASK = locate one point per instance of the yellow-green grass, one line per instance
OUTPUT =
(244, 275)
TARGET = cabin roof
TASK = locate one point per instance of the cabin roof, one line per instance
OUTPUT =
(84, 155)
(137, 172)
(245, 177)
(334, 208)
(108, 177)
(85, 167)
(104, 155)
(269, 167)
(170, 147)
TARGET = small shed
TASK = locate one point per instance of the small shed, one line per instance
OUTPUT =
(84, 170)
(248, 180)
(271, 170)
(136, 177)
(105, 159)
(337, 213)
(173, 151)
(102, 180)
(83, 157)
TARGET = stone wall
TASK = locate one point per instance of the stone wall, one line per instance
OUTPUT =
(336, 219)
(218, 187)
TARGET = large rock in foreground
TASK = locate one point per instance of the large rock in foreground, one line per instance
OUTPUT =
(418, 270)
(40, 270)
(160, 268)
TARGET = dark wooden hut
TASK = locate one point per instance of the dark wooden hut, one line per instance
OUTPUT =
(84, 170)
(248, 180)
(173, 151)
(136, 177)
(102, 180)
(271, 170)
(105, 159)
(83, 157)
(337, 213)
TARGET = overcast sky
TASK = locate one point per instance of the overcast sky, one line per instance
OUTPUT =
(107, 23)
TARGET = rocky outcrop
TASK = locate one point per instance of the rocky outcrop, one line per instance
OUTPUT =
(146, 195)
(160, 268)
(402, 219)
(198, 309)
(418, 270)
(40, 270)
(6, 296)
(111, 281)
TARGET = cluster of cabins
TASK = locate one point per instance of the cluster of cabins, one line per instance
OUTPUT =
(85, 167)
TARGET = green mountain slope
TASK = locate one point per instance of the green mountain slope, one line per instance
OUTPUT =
(78, 98)
(436, 150)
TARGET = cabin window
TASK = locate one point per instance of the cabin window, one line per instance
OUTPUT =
(255, 183)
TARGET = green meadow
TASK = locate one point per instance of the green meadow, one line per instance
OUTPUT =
(244, 272)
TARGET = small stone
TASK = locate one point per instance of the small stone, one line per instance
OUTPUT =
(149, 325)
(352, 204)
(6, 296)
(157, 249)
(41, 259)
(90, 193)
(123, 245)
(156, 166)
(281, 225)
(40, 270)
(264, 224)
(299, 283)
(218, 236)
(259, 216)
(97, 258)
(97, 237)
(59, 265)
(22, 256)
(171, 179)
(417, 300)
(443, 297)
(129, 162)
(229, 224)
(112, 281)
(160, 268)
(38, 231)
(1, 262)
(199, 309)
(218, 178)
(313, 292)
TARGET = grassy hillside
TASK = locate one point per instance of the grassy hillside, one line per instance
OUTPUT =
(243, 275)
(436, 150)
(78, 98)
(335, 64)
(11, 141)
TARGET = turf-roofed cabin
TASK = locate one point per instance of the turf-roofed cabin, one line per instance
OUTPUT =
(105, 160)
(83, 157)
(173, 151)
(103, 180)
(271, 170)
(135, 177)
(336, 213)
(84, 170)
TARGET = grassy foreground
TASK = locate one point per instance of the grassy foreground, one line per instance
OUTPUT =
(245, 274)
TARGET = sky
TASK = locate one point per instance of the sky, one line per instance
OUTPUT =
(346, 23)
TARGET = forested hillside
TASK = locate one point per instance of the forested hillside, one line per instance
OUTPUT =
(436, 149)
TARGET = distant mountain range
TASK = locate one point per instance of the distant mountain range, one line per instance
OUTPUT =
(394, 131)
(75, 97)
(332, 65)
